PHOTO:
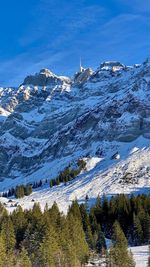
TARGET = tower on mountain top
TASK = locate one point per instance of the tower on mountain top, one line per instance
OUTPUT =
(81, 68)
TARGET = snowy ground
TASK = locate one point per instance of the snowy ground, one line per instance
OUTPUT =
(140, 255)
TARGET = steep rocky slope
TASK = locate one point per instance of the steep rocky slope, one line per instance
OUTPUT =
(51, 121)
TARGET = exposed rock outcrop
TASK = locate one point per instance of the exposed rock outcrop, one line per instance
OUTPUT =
(83, 76)
(51, 117)
(45, 78)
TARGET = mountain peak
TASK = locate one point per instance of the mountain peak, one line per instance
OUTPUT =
(83, 75)
(47, 73)
(112, 65)
(45, 78)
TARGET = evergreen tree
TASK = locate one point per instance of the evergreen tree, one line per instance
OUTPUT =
(54, 214)
(100, 244)
(119, 255)
(11, 260)
(97, 212)
(105, 208)
(24, 260)
(8, 234)
(131, 262)
(145, 223)
(36, 215)
(74, 209)
(27, 190)
(19, 191)
(86, 225)
(137, 231)
(51, 183)
(78, 238)
(32, 239)
(69, 258)
(49, 250)
(2, 252)
(20, 224)
(93, 221)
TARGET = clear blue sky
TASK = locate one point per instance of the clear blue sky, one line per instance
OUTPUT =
(55, 33)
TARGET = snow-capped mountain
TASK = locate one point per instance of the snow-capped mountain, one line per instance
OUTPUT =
(51, 121)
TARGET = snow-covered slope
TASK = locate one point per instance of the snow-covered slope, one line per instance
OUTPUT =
(51, 121)
(131, 174)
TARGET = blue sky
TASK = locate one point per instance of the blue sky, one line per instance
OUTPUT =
(55, 33)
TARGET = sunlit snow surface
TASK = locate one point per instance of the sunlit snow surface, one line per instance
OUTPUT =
(140, 255)
(103, 175)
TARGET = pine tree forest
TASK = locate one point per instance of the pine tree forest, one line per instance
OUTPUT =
(51, 239)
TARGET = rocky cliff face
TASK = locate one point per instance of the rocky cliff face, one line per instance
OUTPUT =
(51, 119)
(45, 78)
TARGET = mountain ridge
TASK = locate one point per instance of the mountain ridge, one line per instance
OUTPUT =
(44, 127)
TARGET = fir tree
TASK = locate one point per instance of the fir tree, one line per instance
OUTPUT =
(8, 234)
(2, 252)
(86, 225)
(11, 260)
(74, 209)
(20, 223)
(49, 250)
(100, 244)
(78, 237)
(28, 190)
(24, 260)
(119, 255)
(51, 183)
(137, 231)
(19, 191)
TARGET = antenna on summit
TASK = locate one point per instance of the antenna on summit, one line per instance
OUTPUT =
(80, 63)
(81, 68)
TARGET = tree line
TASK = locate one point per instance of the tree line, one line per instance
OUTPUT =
(23, 190)
(65, 176)
(19, 191)
(68, 173)
(132, 213)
